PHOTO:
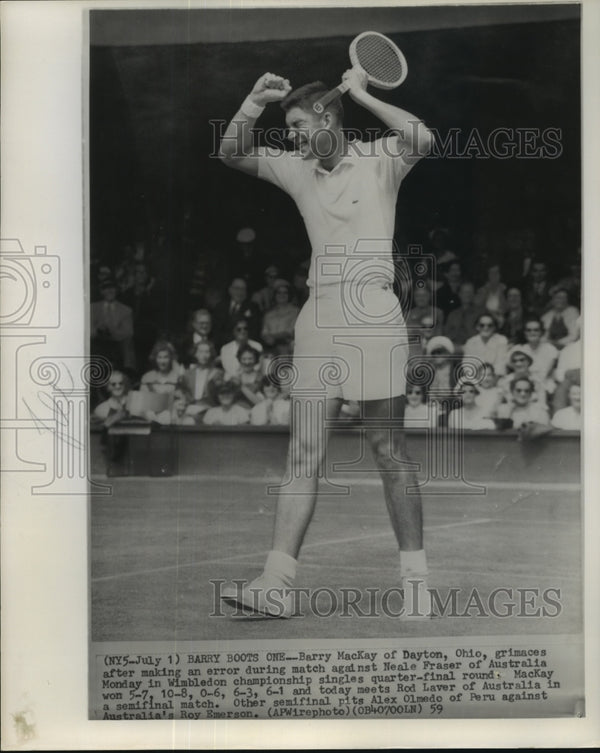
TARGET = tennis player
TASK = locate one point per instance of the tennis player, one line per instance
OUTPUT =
(346, 192)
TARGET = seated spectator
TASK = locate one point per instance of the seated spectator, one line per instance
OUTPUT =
(567, 373)
(423, 308)
(247, 260)
(113, 409)
(199, 331)
(513, 324)
(142, 299)
(227, 413)
(265, 297)
(571, 282)
(489, 396)
(274, 410)
(112, 328)
(249, 376)
(201, 379)
(300, 288)
(460, 324)
(569, 418)
(125, 270)
(177, 415)
(229, 352)
(417, 413)
(470, 415)
(543, 353)
(519, 364)
(99, 274)
(446, 297)
(488, 345)
(522, 409)
(561, 320)
(536, 296)
(439, 240)
(569, 359)
(425, 332)
(440, 349)
(279, 321)
(165, 375)
(235, 306)
(492, 295)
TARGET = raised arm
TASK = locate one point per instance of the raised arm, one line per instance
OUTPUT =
(237, 145)
(415, 140)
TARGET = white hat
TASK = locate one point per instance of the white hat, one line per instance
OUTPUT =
(439, 341)
(521, 350)
(245, 235)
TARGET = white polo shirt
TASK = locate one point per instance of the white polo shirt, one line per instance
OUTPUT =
(348, 211)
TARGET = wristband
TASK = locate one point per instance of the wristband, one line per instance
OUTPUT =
(250, 108)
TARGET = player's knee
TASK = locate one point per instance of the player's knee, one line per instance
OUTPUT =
(305, 455)
(387, 451)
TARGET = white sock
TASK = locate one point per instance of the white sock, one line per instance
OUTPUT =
(281, 567)
(413, 563)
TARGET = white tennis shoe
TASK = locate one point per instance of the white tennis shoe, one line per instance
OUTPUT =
(262, 596)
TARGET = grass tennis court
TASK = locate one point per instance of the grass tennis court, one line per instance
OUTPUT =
(158, 543)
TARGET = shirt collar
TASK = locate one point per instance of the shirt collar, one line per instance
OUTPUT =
(349, 159)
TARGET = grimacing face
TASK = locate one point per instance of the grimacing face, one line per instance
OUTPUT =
(310, 133)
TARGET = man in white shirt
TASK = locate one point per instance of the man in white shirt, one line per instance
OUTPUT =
(352, 323)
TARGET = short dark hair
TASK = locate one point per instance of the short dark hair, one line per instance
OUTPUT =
(248, 349)
(513, 384)
(305, 97)
(533, 320)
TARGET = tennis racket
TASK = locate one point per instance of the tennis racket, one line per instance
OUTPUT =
(379, 58)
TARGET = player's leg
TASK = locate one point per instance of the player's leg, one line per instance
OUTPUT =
(405, 510)
(267, 594)
(297, 499)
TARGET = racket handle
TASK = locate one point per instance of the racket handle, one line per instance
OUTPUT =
(320, 106)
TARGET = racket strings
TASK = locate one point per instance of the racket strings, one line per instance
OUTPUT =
(379, 59)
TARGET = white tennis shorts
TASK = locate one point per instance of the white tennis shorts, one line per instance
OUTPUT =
(351, 342)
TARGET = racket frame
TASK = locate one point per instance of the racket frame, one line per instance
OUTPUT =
(322, 103)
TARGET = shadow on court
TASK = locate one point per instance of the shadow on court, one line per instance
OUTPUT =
(158, 543)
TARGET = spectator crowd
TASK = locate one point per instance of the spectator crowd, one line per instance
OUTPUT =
(522, 331)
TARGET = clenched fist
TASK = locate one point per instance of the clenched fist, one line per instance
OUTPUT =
(270, 88)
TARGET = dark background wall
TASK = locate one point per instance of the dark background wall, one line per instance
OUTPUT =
(158, 78)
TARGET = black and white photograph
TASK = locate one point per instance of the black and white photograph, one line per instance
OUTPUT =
(321, 409)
